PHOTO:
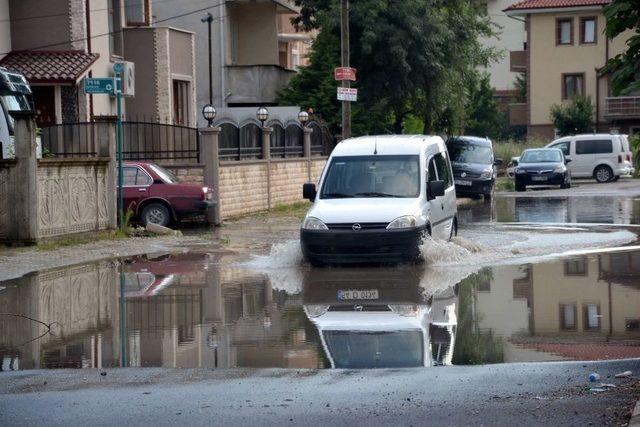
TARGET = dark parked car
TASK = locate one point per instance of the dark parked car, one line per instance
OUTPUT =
(473, 164)
(154, 194)
(542, 166)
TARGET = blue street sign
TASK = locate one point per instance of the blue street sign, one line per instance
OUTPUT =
(99, 85)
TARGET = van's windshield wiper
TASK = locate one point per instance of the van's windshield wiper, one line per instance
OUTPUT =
(337, 195)
(376, 194)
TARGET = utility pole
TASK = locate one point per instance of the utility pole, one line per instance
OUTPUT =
(344, 48)
(209, 19)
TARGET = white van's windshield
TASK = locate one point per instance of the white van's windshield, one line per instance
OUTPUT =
(372, 176)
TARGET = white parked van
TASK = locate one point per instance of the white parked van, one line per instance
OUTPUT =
(377, 199)
(601, 156)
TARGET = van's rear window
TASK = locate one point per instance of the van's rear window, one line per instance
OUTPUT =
(372, 176)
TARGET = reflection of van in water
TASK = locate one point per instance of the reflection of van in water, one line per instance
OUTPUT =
(378, 197)
(15, 95)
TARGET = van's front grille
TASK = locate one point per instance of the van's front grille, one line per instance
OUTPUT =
(363, 225)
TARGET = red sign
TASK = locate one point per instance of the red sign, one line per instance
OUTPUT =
(344, 73)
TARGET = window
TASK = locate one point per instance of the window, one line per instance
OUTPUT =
(442, 167)
(137, 12)
(564, 31)
(572, 85)
(134, 176)
(563, 146)
(598, 146)
(591, 313)
(588, 30)
(568, 314)
(432, 171)
(575, 267)
(181, 102)
(115, 33)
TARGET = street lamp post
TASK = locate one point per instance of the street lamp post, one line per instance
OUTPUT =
(262, 115)
(209, 19)
(303, 116)
(209, 114)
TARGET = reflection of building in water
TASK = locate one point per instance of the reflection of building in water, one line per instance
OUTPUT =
(178, 311)
(83, 303)
(578, 308)
(601, 209)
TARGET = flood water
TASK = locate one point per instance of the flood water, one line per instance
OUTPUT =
(189, 310)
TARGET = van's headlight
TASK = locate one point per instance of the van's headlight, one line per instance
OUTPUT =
(560, 169)
(408, 310)
(486, 174)
(407, 221)
(311, 223)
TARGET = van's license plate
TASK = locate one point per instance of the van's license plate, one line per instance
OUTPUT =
(462, 182)
(538, 178)
(357, 294)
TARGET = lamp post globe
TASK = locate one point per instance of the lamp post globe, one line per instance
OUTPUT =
(209, 113)
(262, 114)
(303, 116)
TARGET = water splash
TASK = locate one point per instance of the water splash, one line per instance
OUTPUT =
(282, 255)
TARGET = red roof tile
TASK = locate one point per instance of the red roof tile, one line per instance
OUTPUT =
(553, 4)
(50, 66)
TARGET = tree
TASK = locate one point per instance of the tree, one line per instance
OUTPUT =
(624, 15)
(574, 117)
(484, 118)
(412, 56)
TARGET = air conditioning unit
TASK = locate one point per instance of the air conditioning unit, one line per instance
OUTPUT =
(128, 75)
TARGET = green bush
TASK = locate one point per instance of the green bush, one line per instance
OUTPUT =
(573, 117)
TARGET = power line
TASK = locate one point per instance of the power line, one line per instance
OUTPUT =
(137, 26)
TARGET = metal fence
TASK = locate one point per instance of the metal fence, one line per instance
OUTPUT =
(144, 141)
(157, 141)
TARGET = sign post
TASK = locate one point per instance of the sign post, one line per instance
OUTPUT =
(117, 68)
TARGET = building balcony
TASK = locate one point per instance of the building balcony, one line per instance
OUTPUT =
(518, 114)
(622, 107)
(256, 84)
(518, 61)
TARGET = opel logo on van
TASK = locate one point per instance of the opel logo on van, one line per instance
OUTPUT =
(356, 227)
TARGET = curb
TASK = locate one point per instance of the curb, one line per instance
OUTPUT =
(635, 416)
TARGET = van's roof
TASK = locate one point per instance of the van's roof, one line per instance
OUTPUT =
(385, 145)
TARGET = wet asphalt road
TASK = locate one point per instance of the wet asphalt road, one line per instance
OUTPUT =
(551, 393)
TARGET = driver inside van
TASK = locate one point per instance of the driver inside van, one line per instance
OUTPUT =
(400, 184)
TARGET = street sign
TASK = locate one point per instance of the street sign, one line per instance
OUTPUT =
(344, 73)
(100, 85)
(347, 94)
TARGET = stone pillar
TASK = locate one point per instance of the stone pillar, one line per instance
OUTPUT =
(209, 144)
(306, 149)
(25, 190)
(106, 146)
(266, 155)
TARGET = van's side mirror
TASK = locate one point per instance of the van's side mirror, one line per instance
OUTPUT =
(309, 191)
(435, 189)
(498, 162)
(567, 160)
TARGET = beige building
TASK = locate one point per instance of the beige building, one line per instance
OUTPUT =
(565, 51)
(56, 44)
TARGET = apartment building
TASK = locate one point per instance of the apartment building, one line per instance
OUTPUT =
(566, 49)
(58, 43)
(510, 37)
(254, 53)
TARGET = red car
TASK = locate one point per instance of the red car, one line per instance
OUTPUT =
(155, 195)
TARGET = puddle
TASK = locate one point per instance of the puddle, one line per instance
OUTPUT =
(579, 209)
(200, 310)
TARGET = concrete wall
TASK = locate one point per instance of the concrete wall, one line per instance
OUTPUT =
(139, 47)
(257, 33)
(54, 26)
(103, 67)
(7, 178)
(549, 62)
(72, 197)
(5, 28)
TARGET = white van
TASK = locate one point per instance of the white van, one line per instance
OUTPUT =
(601, 156)
(377, 199)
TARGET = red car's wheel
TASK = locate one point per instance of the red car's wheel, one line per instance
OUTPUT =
(156, 213)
